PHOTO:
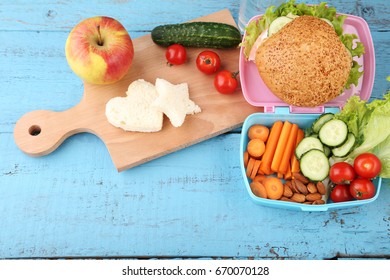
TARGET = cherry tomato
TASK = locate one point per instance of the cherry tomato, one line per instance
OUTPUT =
(367, 165)
(225, 81)
(362, 188)
(341, 193)
(176, 54)
(342, 173)
(208, 62)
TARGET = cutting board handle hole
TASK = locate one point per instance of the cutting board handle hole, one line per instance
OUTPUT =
(34, 130)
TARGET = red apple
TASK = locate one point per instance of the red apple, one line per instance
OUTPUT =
(99, 50)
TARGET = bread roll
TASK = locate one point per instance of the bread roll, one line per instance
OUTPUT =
(305, 63)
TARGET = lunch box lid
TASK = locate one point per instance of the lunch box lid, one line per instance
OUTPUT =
(258, 94)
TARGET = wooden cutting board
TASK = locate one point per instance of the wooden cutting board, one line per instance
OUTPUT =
(40, 132)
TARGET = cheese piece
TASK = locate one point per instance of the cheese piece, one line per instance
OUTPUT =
(174, 102)
(134, 112)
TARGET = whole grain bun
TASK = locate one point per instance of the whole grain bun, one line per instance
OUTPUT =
(305, 63)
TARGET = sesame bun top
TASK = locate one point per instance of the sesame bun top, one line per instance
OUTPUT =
(305, 63)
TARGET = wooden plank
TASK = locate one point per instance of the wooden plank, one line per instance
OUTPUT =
(189, 203)
(197, 204)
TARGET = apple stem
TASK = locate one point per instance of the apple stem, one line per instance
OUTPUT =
(100, 41)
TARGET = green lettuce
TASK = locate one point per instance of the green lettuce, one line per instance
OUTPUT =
(255, 28)
(369, 122)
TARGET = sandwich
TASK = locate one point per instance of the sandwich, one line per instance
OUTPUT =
(302, 54)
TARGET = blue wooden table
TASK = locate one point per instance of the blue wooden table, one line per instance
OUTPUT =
(191, 203)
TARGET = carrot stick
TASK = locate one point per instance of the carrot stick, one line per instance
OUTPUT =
(289, 147)
(250, 166)
(256, 166)
(282, 142)
(294, 160)
(288, 174)
(265, 167)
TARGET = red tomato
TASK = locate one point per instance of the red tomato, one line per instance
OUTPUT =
(341, 193)
(367, 165)
(225, 82)
(362, 188)
(176, 54)
(208, 62)
(342, 173)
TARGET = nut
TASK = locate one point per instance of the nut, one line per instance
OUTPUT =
(301, 187)
(321, 188)
(317, 202)
(283, 198)
(294, 187)
(287, 191)
(313, 196)
(298, 197)
(300, 177)
(258, 189)
(311, 187)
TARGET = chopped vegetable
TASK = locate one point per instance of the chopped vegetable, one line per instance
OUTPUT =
(282, 142)
(274, 187)
(294, 160)
(258, 131)
(369, 122)
(289, 148)
(270, 147)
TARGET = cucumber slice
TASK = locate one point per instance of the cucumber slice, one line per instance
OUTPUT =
(333, 133)
(307, 144)
(321, 120)
(327, 151)
(314, 165)
(278, 24)
(346, 148)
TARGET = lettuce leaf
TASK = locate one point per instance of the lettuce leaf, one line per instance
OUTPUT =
(255, 28)
(382, 151)
(356, 48)
(369, 122)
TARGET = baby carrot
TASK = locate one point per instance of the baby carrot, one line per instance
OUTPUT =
(294, 160)
(256, 166)
(288, 174)
(246, 158)
(282, 142)
(249, 167)
(270, 147)
(289, 147)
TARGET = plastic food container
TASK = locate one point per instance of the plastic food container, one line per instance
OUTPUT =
(257, 94)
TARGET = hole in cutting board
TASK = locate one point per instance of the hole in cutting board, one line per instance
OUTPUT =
(34, 130)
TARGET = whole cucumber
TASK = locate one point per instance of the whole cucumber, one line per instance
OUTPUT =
(197, 34)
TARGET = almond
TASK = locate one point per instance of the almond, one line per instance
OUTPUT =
(319, 201)
(300, 177)
(258, 189)
(283, 198)
(313, 196)
(301, 187)
(287, 191)
(311, 187)
(321, 188)
(294, 187)
(298, 197)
